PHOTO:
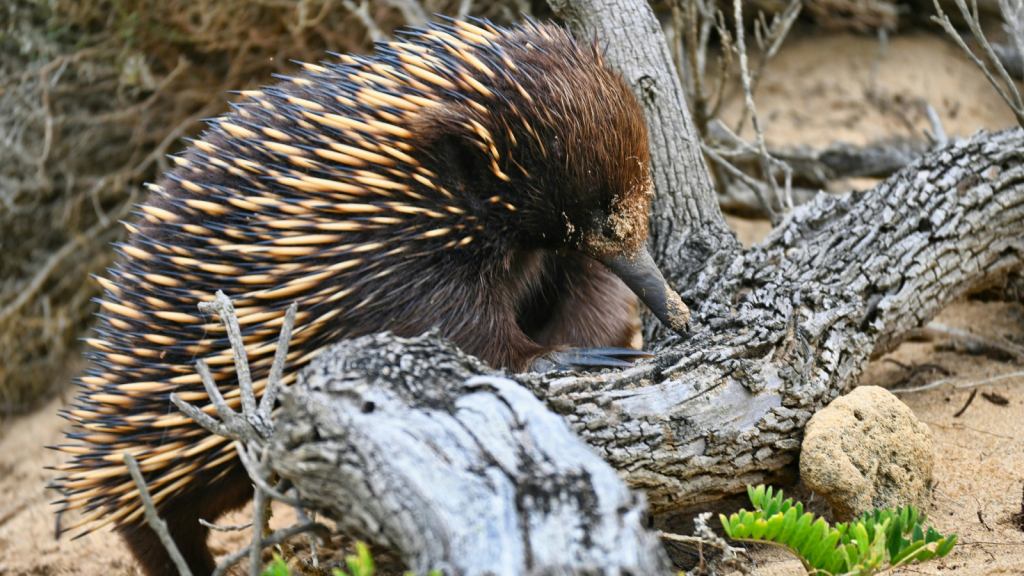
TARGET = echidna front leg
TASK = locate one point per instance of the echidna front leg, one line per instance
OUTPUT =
(585, 306)
(204, 498)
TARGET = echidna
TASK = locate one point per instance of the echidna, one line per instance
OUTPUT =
(489, 183)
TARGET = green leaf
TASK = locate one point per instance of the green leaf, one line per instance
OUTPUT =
(775, 524)
(863, 539)
(907, 553)
(811, 538)
(914, 520)
(859, 548)
(788, 525)
(758, 529)
(746, 523)
(773, 505)
(277, 567)
(725, 525)
(849, 557)
(821, 556)
(756, 495)
(895, 539)
(917, 534)
(802, 530)
(734, 522)
(359, 565)
(946, 546)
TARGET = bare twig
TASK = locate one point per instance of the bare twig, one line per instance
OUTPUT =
(937, 134)
(153, 519)
(412, 11)
(974, 344)
(1013, 18)
(223, 307)
(274, 539)
(1007, 90)
(259, 472)
(966, 404)
(981, 519)
(730, 558)
(273, 387)
(362, 11)
(220, 528)
(252, 427)
(774, 35)
(258, 521)
(996, 398)
(59, 256)
(751, 183)
(693, 21)
(959, 385)
(741, 48)
(876, 64)
(769, 38)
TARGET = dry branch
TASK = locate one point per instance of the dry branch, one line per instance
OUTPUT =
(396, 441)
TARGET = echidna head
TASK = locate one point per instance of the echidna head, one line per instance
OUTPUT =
(554, 150)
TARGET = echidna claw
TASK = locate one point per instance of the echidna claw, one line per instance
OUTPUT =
(587, 359)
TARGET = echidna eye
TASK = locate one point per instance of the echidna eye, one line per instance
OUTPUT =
(607, 230)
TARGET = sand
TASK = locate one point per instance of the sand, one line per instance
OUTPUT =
(814, 93)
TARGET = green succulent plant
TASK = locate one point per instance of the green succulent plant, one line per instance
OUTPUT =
(878, 539)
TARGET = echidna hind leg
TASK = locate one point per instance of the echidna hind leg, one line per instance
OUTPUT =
(201, 499)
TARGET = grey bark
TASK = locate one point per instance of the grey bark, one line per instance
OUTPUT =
(392, 438)
(817, 167)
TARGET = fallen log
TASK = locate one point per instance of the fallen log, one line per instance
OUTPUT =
(401, 444)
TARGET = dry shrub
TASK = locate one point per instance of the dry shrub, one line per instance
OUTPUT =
(859, 15)
(93, 95)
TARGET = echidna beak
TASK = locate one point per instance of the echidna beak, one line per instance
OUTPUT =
(643, 277)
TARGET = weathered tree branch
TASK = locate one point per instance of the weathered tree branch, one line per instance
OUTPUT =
(395, 440)
(791, 324)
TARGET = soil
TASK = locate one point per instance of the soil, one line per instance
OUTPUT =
(818, 89)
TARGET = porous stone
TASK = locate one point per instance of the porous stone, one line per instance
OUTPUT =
(867, 450)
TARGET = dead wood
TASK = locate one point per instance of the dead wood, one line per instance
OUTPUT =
(398, 442)
(815, 167)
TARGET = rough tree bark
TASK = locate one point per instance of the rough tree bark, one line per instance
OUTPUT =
(780, 330)
(396, 440)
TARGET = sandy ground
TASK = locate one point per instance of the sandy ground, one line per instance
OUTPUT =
(815, 92)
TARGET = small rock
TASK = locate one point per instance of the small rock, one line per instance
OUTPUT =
(867, 450)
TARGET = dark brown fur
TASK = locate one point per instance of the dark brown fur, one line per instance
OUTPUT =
(528, 180)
